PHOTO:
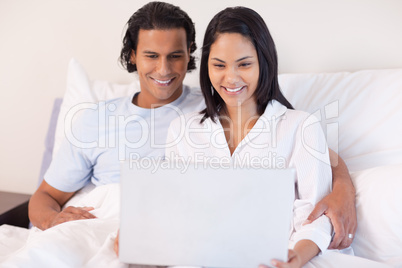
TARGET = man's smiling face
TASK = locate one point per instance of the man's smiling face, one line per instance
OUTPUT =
(162, 57)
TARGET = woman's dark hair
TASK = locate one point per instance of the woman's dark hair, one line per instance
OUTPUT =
(159, 16)
(249, 24)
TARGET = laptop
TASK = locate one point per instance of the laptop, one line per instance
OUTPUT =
(204, 216)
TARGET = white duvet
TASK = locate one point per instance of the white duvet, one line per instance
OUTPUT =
(83, 243)
(89, 243)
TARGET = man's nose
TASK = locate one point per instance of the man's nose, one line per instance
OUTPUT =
(163, 67)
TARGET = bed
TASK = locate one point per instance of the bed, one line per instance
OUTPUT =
(360, 113)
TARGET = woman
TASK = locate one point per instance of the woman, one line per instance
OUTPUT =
(247, 116)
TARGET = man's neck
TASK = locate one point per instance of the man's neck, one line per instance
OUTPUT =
(148, 101)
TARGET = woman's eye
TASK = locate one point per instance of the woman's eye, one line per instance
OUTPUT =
(219, 65)
(246, 64)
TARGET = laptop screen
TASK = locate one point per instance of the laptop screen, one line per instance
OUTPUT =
(204, 216)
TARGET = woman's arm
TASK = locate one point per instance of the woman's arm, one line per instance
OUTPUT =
(310, 159)
(339, 205)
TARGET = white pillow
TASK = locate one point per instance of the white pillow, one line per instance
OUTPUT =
(379, 214)
(81, 90)
(361, 112)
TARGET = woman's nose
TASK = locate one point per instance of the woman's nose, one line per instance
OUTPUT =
(232, 76)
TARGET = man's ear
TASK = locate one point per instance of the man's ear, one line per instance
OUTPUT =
(189, 51)
(132, 57)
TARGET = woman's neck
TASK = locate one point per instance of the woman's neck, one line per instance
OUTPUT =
(237, 123)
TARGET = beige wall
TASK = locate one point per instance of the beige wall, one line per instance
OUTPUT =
(37, 39)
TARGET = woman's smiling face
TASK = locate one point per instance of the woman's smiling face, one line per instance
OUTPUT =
(234, 70)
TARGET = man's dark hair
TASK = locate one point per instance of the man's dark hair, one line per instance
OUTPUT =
(249, 24)
(156, 16)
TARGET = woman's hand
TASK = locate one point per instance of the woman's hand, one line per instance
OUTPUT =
(294, 261)
(116, 244)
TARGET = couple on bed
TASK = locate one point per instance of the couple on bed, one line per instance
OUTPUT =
(239, 83)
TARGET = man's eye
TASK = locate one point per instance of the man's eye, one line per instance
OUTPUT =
(175, 56)
(152, 56)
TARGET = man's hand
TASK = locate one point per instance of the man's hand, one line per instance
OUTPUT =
(45, 207)
(340, 207)
(72, 214)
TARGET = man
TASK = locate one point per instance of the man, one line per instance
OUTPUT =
(158, 45)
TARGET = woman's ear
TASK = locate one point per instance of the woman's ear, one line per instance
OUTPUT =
(132, 57)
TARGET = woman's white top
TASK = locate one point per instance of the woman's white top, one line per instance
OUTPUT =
(281, 138)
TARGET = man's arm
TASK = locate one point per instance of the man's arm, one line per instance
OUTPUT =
(45, 207)
(339, 205)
